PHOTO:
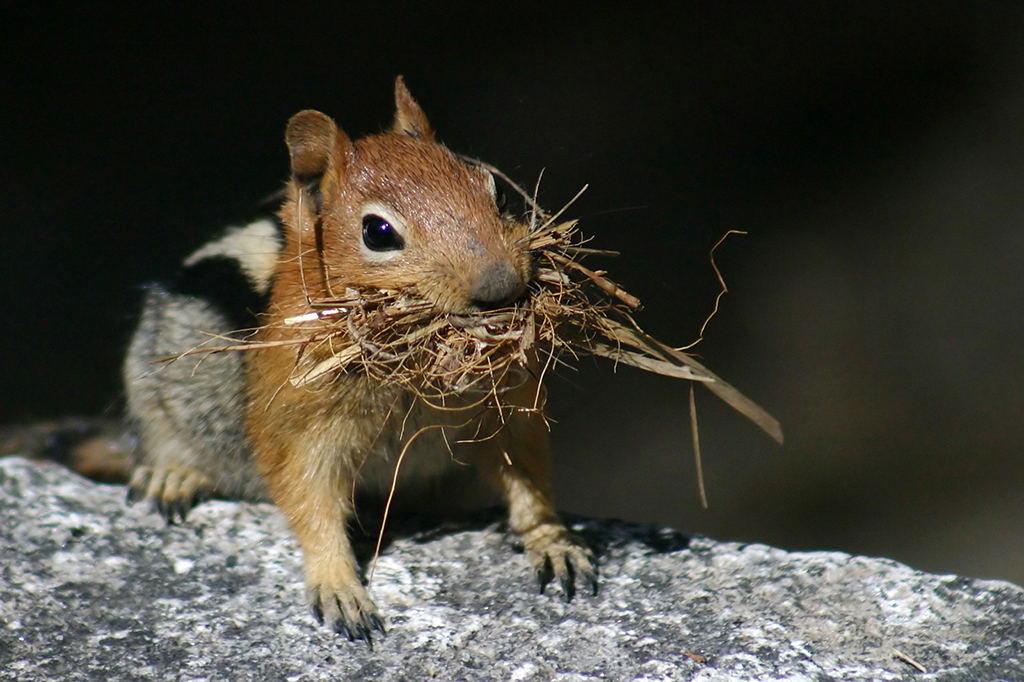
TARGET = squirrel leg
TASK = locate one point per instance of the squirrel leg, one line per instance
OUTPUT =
(522, 472)
(318, 508)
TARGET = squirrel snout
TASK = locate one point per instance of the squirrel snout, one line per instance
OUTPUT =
(498, 284)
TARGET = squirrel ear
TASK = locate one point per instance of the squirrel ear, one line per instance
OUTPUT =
(315, 143)
(409, 118)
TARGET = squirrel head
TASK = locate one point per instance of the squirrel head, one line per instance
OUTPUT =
(395, 211)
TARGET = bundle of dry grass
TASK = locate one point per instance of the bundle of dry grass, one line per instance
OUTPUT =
(568, 309)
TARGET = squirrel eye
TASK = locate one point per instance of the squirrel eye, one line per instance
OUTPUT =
(380, 235)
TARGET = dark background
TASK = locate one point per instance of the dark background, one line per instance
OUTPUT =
(874, 153)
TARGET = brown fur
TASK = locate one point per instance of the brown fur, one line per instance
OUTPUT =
(315, 446)
(97, 448)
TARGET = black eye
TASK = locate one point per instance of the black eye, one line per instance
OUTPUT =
(380, 235)
(499, 198)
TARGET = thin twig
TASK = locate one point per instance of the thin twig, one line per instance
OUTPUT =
(907, 659)
(696, 451)
(722, 292)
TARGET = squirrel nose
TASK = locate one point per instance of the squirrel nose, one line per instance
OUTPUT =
(498, 284)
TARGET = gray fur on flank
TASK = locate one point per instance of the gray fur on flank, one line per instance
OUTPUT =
(190, 412)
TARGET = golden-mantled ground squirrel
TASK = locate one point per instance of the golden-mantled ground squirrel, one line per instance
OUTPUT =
(395, 211)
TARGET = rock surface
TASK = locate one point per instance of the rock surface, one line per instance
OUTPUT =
(92, 589)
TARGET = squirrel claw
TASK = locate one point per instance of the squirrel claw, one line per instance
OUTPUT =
(568, 581)
(545, 574)
(347, 612)
(558, 553)
(173, 491)
(591, 577)
(360, 630)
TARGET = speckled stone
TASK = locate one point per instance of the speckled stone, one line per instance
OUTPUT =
(93, 590)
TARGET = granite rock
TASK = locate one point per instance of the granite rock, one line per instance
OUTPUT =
(93, 589)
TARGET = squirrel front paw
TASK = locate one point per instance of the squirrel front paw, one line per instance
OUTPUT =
(173, 490)
(347, 609)
(557, 553)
